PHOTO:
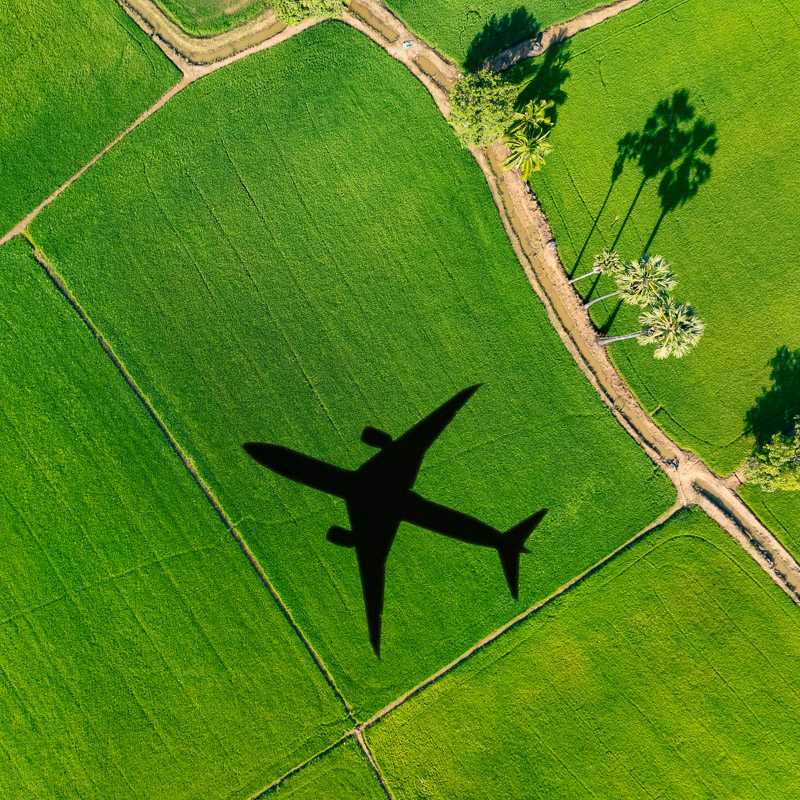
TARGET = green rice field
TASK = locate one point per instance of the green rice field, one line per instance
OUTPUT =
(210, 17)
(140, 656)
(318, 256)
(470, 31)
(342, 773)
(72, 76)
(695, 190)
(673, 672)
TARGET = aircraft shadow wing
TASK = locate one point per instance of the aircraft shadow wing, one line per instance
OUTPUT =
(300, 467)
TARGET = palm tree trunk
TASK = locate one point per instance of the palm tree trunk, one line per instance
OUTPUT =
(607, 340)
(585, 275)
(603, 297)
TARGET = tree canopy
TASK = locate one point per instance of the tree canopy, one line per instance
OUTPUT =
(776, 466)
(481, 108)
(293, 11)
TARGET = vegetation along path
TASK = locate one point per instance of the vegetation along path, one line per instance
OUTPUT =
(533, 243)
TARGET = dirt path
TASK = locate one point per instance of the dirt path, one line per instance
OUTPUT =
(532, 47)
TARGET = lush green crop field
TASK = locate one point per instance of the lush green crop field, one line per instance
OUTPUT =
(208, 17)
(730, 236)
(139, 653)
(339, 775)
(319, 256)
(672, 672)
(72, 75)
(472, 30)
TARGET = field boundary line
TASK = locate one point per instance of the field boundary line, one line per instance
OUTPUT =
(358, 731)
(61, 285)
(560, 591)
(267, 790)
(21, 226)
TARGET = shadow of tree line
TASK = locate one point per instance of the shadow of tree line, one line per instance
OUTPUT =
(777, 407)
(674, 145)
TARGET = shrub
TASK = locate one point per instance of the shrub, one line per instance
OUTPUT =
(293, 11)
(777, 465)
(481, 108)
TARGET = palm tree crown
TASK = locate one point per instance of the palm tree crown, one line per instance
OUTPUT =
(672, 326)
(642, 282)
(534, 118)
(528, 153)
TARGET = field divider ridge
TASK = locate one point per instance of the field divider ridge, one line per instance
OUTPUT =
(61, 285)
(523, 616)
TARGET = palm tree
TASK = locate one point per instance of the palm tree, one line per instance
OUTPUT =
(528, 153)
(672, 326)
(606, 262)
(533, 118)
(641, 283)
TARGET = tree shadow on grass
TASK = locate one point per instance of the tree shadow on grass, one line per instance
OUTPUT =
(497, 34)
(776, 408)
(675, 144)
(549, 74)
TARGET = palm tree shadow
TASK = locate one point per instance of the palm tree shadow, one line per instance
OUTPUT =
(776, 409)
(606, 326)
(549, 75)
(674, 143)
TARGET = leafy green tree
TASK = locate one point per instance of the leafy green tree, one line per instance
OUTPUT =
(527, 152)
(293, 11)
(641, 283)
(607, 262)
(533, 119)
(672, 327)
(481, 107)
(776, 466)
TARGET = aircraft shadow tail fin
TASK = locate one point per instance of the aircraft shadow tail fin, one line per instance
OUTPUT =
(512, 545)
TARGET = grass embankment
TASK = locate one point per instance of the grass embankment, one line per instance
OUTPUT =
(319, 255)
(72, 76)
(674, 671)
(470, 31)
(339, 775)
(729, 232)
(210, 17)
(139, 653)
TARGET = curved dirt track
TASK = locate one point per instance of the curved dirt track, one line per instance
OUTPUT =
(533, 243)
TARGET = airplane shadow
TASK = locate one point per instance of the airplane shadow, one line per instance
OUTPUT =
(379, 496)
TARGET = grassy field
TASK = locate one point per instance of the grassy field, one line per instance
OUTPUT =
(140, 656)
(321, 256)
(673, 672)
(469, 31)
(339, 775)
(72, 75)
(209, 17)
(728, 226)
